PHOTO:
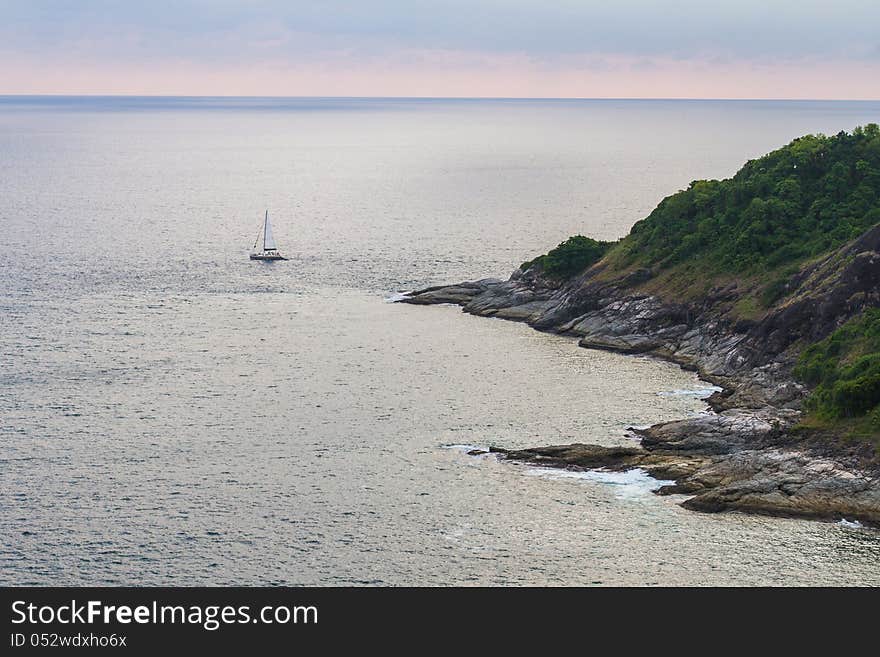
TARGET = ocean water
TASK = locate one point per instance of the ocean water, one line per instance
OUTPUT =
(173, 413)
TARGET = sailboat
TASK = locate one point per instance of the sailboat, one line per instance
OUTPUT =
(270, 250)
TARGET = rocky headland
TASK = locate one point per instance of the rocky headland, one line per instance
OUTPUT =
(750, 454)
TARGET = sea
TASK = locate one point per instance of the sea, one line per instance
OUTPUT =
(172, 413)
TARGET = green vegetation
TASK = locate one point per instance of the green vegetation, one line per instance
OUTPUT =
(790, 205)
(756, 228)
(569, 258)
(754, 232)
(845, 370)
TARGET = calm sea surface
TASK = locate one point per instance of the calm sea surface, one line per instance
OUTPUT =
(173, 413)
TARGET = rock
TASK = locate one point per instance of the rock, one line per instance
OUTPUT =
(744, 456)
(456, 294)
(764, 481)
(788, 483)
(638, 277)
(578, 456)
(709, 434)
(629, 344)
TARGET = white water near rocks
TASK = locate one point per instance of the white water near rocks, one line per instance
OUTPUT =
(173, 413)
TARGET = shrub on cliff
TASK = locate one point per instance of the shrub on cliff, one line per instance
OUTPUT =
(779, 210)
(569, 258)
(792, 204)
(845, 369)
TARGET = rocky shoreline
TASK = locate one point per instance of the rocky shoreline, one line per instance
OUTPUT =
(746, 456)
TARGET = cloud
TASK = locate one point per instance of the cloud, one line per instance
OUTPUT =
(679, 28)
(453, 39)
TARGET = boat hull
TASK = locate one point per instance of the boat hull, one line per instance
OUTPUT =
(267, 256)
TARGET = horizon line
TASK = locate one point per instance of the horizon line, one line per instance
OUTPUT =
(308, 97)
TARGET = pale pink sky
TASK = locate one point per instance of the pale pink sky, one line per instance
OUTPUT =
(470, 48)
(507, 76)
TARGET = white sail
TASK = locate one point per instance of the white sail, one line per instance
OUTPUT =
(268, 238)
(265, 247)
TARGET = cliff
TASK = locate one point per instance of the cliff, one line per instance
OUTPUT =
(740, 326)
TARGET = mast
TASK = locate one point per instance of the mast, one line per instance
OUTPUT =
(265, 225)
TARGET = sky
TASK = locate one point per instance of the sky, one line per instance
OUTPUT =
(453, 48)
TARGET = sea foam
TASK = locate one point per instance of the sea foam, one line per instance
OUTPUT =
(630, 483)
(851, 524)
(692, 392)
